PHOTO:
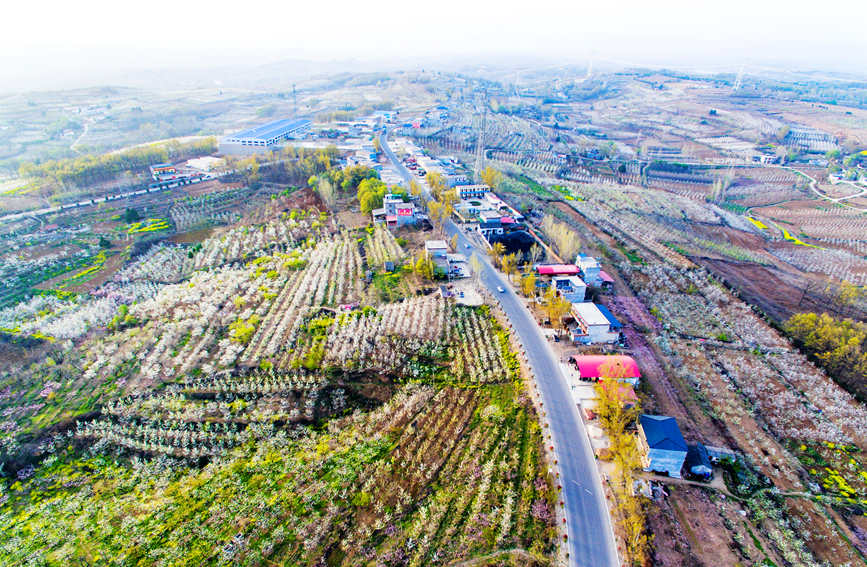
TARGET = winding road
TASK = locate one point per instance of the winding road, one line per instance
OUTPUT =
(590, 536)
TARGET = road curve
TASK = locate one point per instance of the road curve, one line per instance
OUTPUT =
(591, 539)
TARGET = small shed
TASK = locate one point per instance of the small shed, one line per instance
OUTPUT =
(662, 445)
(698, 463)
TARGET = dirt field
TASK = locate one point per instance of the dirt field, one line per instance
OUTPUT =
(748, 240)
(698, 528)
(15, 203)
(209, 187)
(352, 219)
(776, 293)
(191, 236)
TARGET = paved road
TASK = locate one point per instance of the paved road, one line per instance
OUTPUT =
(591, 540)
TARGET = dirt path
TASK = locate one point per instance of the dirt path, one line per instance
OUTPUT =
(717, 483)
(814, 186)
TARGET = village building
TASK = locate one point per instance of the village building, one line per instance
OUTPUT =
(571, 288)
(592, 367)
(662, 447)
(395, 212)
(589, 268)
(591, 326)
(557, 269)
(472, 191)
(437, 250)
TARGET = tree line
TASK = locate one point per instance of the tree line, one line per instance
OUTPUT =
(88, 169)
(565, 240)
(838, 345)
(292, 166)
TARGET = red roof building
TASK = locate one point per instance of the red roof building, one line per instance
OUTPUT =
(595, 366)
(557, 269)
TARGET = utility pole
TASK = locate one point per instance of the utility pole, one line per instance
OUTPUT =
(480, 139)
(294, 101)
(739, 81)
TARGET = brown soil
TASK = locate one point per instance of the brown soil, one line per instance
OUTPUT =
(778, 294)
(209, 187)
(15, 203)
(191, 236)
(352, 219)
(106, 226)
(689, 530)
(857, 524)
(709, 539)
(804, 204)
(670, 545)
(748, 240)
(33, 252)
(838, 190)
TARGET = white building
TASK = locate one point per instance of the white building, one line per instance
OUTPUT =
(570, 287)
(267, 136)
(490, 216)
(395, 212)
(589, 267)
(206, 163)
(591, 325)
(436, 249)
(472, 191)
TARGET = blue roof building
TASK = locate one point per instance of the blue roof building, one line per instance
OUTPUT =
(698, 463)
(615, 324)
(271, 133)
(662, 445)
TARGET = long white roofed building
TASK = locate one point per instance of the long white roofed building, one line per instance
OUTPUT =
(266, 136)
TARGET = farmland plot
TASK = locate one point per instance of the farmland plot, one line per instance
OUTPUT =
(205, 390)
(382, 247)
(378, 485)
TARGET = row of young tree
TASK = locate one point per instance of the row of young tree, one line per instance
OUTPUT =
(87, 169)
(839, 345)
(564, 239)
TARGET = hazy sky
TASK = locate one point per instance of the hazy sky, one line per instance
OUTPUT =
(67, 37)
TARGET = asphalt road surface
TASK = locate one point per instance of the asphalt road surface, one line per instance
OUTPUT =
(591, 539)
